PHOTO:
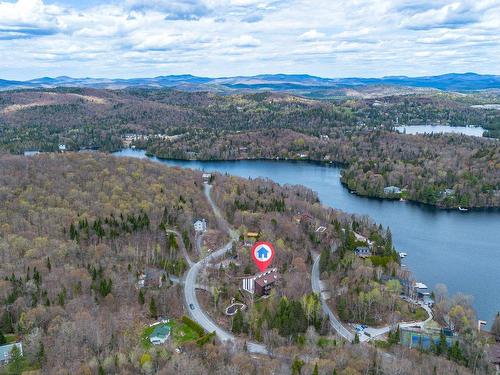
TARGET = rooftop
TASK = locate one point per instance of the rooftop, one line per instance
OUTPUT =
(162, 331)
(267, 277)
(6, 349)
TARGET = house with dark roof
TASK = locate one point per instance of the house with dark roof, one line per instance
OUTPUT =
(266, 282)
(261, 284)
(363, 251)
(151, 278)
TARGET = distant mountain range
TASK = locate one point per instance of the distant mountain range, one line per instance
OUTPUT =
(300, 84)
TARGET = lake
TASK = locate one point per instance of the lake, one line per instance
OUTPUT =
(459, 249)
(476, 131)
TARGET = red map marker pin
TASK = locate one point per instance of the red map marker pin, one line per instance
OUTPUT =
(262, 254)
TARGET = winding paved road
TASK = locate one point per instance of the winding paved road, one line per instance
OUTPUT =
(200, 316)
(193, 306)
(317, 288)
(341, 329)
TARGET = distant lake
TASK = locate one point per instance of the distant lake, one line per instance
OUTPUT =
(459, 249)
(476, 131)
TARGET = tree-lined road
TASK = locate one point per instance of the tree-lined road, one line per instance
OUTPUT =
(193, 306)
(317, 288)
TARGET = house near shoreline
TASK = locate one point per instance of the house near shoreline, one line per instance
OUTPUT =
(206, 177)
(392, 190)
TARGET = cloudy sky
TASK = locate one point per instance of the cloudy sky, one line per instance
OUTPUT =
(330, 38)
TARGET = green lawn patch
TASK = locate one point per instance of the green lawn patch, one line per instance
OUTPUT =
(180, 331)
(11, 338)
(324, 342)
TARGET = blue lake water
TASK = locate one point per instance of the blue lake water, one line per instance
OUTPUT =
(459, 249)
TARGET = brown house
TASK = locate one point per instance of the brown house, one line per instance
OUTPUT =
(261, 284)
(265, 282)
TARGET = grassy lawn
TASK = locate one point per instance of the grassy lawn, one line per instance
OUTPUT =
(179, 332)
(10, 338)
(324, 342)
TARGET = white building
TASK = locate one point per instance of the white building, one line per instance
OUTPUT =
(206, 177)
(200, 225)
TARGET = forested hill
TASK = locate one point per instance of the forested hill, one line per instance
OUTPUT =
(78, 230)
(292, 83)
(442, 170)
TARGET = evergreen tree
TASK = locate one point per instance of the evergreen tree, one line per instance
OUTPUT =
(41, 354)
(324, 260)
(141, 297)
(315, 371)
(153, 311)
(238, 322)
(49, 265)
(356, 339)
(442, 347)
(297, 365)
(495, 327)
(3, 340)
(16, 361)
(6, 324)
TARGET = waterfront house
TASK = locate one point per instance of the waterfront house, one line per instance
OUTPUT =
(6, 350)
(392, 190)
(206, 177)
(200, 225)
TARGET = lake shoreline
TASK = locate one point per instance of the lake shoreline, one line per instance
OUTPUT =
(443, 245)
(323, 163)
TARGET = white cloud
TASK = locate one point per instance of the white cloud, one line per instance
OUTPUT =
(311, 35)
(231, 37)
(245, 41)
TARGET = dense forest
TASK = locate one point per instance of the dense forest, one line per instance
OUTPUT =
(442, 170)
(77, 230)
